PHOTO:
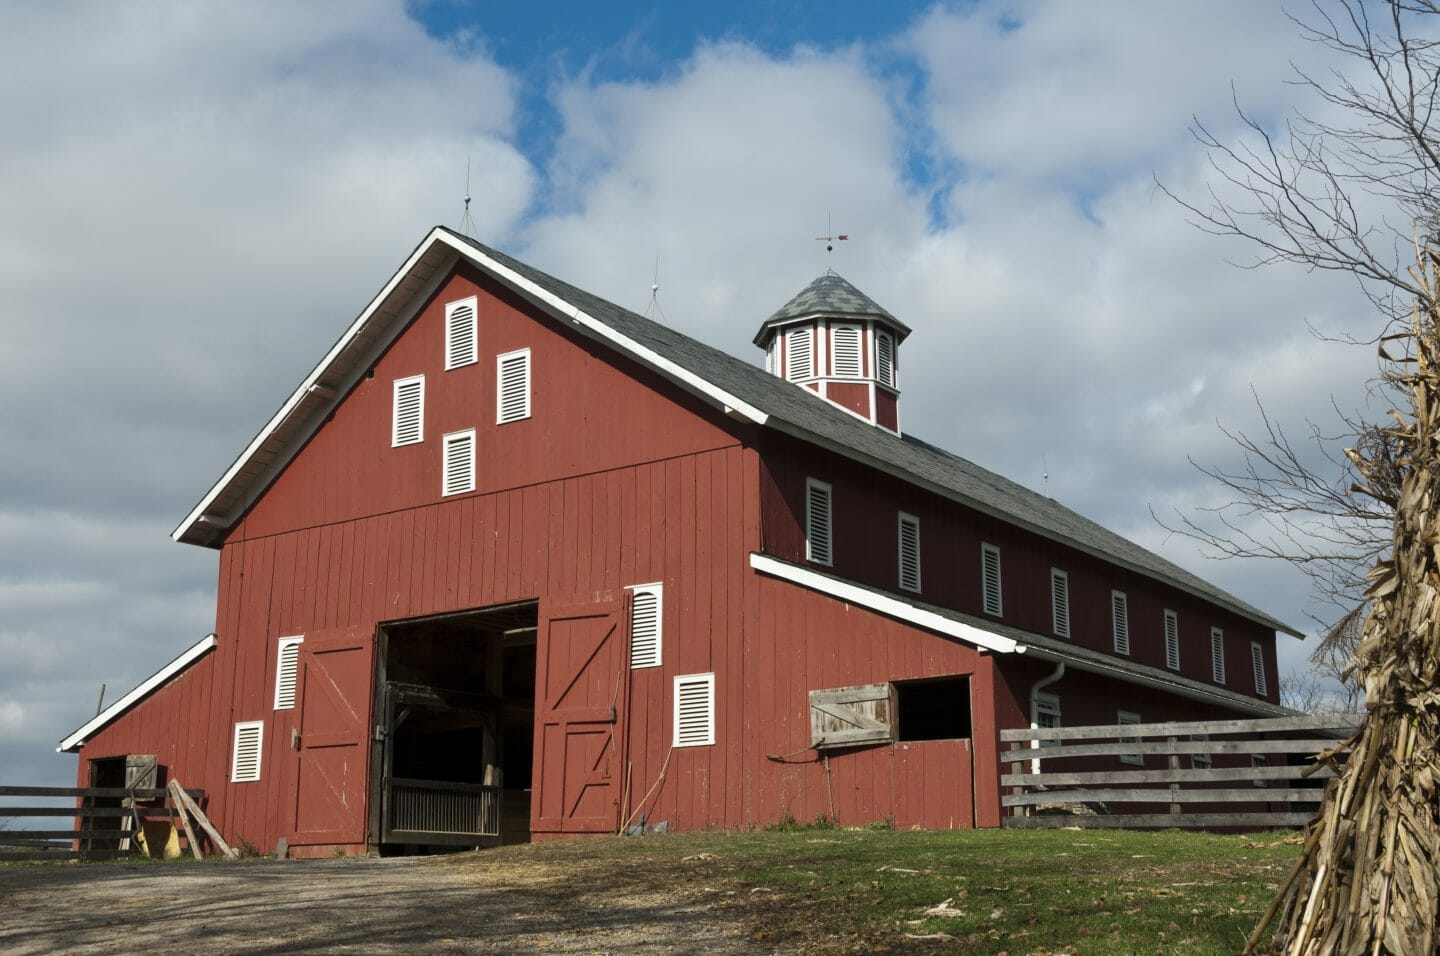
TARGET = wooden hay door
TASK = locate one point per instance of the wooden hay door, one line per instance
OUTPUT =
(328, 738)
(581, 690)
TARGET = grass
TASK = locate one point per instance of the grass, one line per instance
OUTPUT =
(988, 891)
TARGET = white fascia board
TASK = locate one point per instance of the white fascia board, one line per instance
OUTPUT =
(884, 604)
(153, 682)
(310, 380)
(570, 311)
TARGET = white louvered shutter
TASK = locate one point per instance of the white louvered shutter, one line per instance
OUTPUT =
(1060, 602)
(990, 579)
(1217, 655)
(817, 522)
(458, 463)
(885, 359)
(460, 344)
(512, 386)
(245, 757)
(694, 710)
(799, 354)
(845, 351)
(287, 672)
(1120, 621)
(1257, 664)
(1172, 640)
(408, 415)
(645, 617)
(909, 552)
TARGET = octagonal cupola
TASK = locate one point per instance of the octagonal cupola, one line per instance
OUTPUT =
(836, 341)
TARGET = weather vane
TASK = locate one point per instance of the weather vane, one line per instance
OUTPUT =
(830, 238)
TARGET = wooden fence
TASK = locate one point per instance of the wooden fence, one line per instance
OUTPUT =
(1255, 770)
(99, 822)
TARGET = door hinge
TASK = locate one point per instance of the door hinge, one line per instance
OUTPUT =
(294, 739)
(379, 732)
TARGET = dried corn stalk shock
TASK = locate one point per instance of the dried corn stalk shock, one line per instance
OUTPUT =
(1367, 878)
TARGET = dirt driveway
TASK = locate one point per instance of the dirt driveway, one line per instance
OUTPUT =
(434, 904)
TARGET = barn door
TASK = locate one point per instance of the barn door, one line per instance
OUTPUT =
(582, 663)
(333, 694)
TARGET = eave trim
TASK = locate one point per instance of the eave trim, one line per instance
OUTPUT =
(152, 683)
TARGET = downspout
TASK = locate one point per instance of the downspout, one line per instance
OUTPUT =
(1035, 689)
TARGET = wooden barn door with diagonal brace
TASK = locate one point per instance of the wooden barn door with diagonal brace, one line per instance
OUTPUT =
(581, 683)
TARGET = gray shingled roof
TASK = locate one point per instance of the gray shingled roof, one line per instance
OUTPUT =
(801, 412)
(830, 295)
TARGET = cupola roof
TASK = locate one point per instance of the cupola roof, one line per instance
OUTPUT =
(830, 295)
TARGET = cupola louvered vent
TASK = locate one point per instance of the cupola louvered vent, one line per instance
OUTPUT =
(645, 611)
(990, 579)
(1120, 621)
(460, 346)
(458, 465)
(512, 385)
(287, 672)
(694, 710)
(799, 354)
(909, 552)
(817, 522)
(245, 758)
(1172, 640)
(408, 417)
(1060, 602)
(845, 351)
(885, 359)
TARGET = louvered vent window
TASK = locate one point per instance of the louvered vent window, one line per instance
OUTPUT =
(1120, 621)
(885, 359)
(512, 386)
(460, 347)
(799, 354)
(909, 552)
(1172, 640)
(408, 417)
(770, 357)
(645, 610)
(990, 578)
(1217, 655)
(1257, 664)
(817, 522)
(458, 466)
(1060, 602)
(245, 758)
(287, 670)
(694, 710)
(845, 354)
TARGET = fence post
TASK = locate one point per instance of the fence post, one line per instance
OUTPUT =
(1018, 766)
(1174, 784)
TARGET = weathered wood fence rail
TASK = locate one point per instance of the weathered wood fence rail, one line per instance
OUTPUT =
(1255, 769)
(103, 822)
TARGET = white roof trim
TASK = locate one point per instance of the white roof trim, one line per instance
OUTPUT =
(150, 684)
(885, 604)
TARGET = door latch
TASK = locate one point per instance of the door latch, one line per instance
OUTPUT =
(294, 739)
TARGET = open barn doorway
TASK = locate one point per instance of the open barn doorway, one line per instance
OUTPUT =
(455, 726)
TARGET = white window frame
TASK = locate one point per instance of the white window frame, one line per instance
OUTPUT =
(473, 354)
(1257, 666)
(395, 439)
(1130, 717)
(990, 569)
(701, 680)
(500, 360)
(1045, 705)
(1172, 640)
(1060, 602)
(1120, 622)
(445, 443)
(819, 555)
(791, 335)
(1200, 761)
(1217, 655)
(1256, 762)
(657, 590)
(247, 727)
(293, 677)
(905, 520)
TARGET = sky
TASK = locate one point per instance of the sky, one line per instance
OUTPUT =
(196, 199)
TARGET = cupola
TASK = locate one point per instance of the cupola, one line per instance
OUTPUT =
(834, 340)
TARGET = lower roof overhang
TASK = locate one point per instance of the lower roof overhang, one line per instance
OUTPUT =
(154, 682)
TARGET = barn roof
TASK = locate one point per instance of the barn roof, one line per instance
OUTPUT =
(741, 389)
(833, 296)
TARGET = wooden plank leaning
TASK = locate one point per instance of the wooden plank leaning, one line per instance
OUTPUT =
(189, 831)
(182, 799)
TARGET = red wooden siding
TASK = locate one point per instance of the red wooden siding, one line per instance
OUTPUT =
(887, 409)
(864, 507)
(853, 395)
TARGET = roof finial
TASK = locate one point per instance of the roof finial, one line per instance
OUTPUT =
(830, 239)
(467, 224)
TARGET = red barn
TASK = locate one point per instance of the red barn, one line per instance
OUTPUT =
(513, 562)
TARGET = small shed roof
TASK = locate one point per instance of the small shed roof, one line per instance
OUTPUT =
(145, 688)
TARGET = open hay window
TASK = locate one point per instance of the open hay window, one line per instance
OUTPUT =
(935, 708)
